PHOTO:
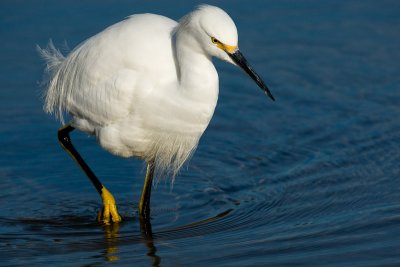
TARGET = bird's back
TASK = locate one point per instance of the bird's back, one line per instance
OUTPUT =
(98, 80)
(111, 84)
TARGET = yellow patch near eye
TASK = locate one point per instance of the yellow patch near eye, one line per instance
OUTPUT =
(230, 48)
(227, 48)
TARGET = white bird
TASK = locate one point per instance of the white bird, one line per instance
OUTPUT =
(146, 87)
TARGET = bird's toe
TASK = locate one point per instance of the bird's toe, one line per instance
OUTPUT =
(109, 214)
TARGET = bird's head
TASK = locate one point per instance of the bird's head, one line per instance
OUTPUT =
(216, 34)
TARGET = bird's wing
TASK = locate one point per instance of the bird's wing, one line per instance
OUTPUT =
(102, 79)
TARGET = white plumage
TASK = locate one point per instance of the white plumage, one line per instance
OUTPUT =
(146, 87)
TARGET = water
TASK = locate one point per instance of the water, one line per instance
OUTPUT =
(310, 180)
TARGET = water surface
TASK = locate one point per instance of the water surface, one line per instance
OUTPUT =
(310, 180)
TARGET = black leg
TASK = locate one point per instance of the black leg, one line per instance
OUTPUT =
(109, 212)
(144, 205)
(65, 140)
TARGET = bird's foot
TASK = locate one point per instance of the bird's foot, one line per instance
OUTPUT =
(109, 213)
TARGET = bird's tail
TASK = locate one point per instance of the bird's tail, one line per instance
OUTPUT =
(54, 59)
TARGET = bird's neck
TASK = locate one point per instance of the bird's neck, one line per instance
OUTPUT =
(197, 76)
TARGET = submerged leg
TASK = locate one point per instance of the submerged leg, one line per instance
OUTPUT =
(109, 212)
(144, 205)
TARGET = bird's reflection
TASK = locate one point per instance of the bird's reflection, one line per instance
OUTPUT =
(147, 235)
(112, 236)
(111, 232)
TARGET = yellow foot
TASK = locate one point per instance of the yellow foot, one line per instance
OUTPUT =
(109, 213)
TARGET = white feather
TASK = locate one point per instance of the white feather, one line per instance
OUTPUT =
(145, 87)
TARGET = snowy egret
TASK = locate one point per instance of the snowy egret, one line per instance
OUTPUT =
(145, 87)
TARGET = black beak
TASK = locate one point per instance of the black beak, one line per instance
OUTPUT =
(239, 59)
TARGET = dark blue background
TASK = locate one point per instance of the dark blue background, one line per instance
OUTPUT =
(310, 180)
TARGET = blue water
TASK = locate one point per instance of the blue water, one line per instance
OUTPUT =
(309, 180)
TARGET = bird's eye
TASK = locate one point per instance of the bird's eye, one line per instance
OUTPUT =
(215, 40)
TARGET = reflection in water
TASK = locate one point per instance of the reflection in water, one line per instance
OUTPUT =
(147, 234)
(112, 235)
(111, 232)
(113, 238)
